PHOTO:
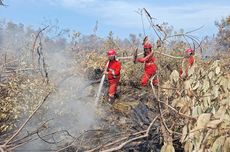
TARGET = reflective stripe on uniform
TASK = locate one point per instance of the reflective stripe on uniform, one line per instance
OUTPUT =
(151, 63)
(113, 73)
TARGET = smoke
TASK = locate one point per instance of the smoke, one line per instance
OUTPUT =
(70, 107)
(71, 103)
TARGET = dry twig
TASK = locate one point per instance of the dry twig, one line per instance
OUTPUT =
(5, 145)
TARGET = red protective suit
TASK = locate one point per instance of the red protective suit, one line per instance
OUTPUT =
(113, 70)
(150, 69)
(190, 62)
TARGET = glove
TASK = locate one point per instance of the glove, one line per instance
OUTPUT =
(158, 43)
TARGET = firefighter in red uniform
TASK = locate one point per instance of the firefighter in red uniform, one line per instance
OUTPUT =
(113, 74)
(150, 66)
(187, 63)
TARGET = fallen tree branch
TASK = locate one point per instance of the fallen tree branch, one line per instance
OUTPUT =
(174, 57)
(19, 70)
(8, 63)
(1, 149)
(181, 114)
(23, 125)
(39, 129)
(133, 139)
(116, 141)
(75, 139)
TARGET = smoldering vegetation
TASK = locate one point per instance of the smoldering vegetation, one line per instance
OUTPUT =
(50, 76)
(38, 67)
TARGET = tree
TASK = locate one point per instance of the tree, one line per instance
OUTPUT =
(223, 36)
(110, 42)
(134, 41)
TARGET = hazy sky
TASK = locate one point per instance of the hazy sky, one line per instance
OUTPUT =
(118, 16)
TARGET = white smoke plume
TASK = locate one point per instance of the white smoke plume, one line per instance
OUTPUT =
(70, 107)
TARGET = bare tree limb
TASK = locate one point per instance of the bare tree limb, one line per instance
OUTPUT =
(186, 33)
(35, 41)
(1, 3)
(181, 114)
(158, 52)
